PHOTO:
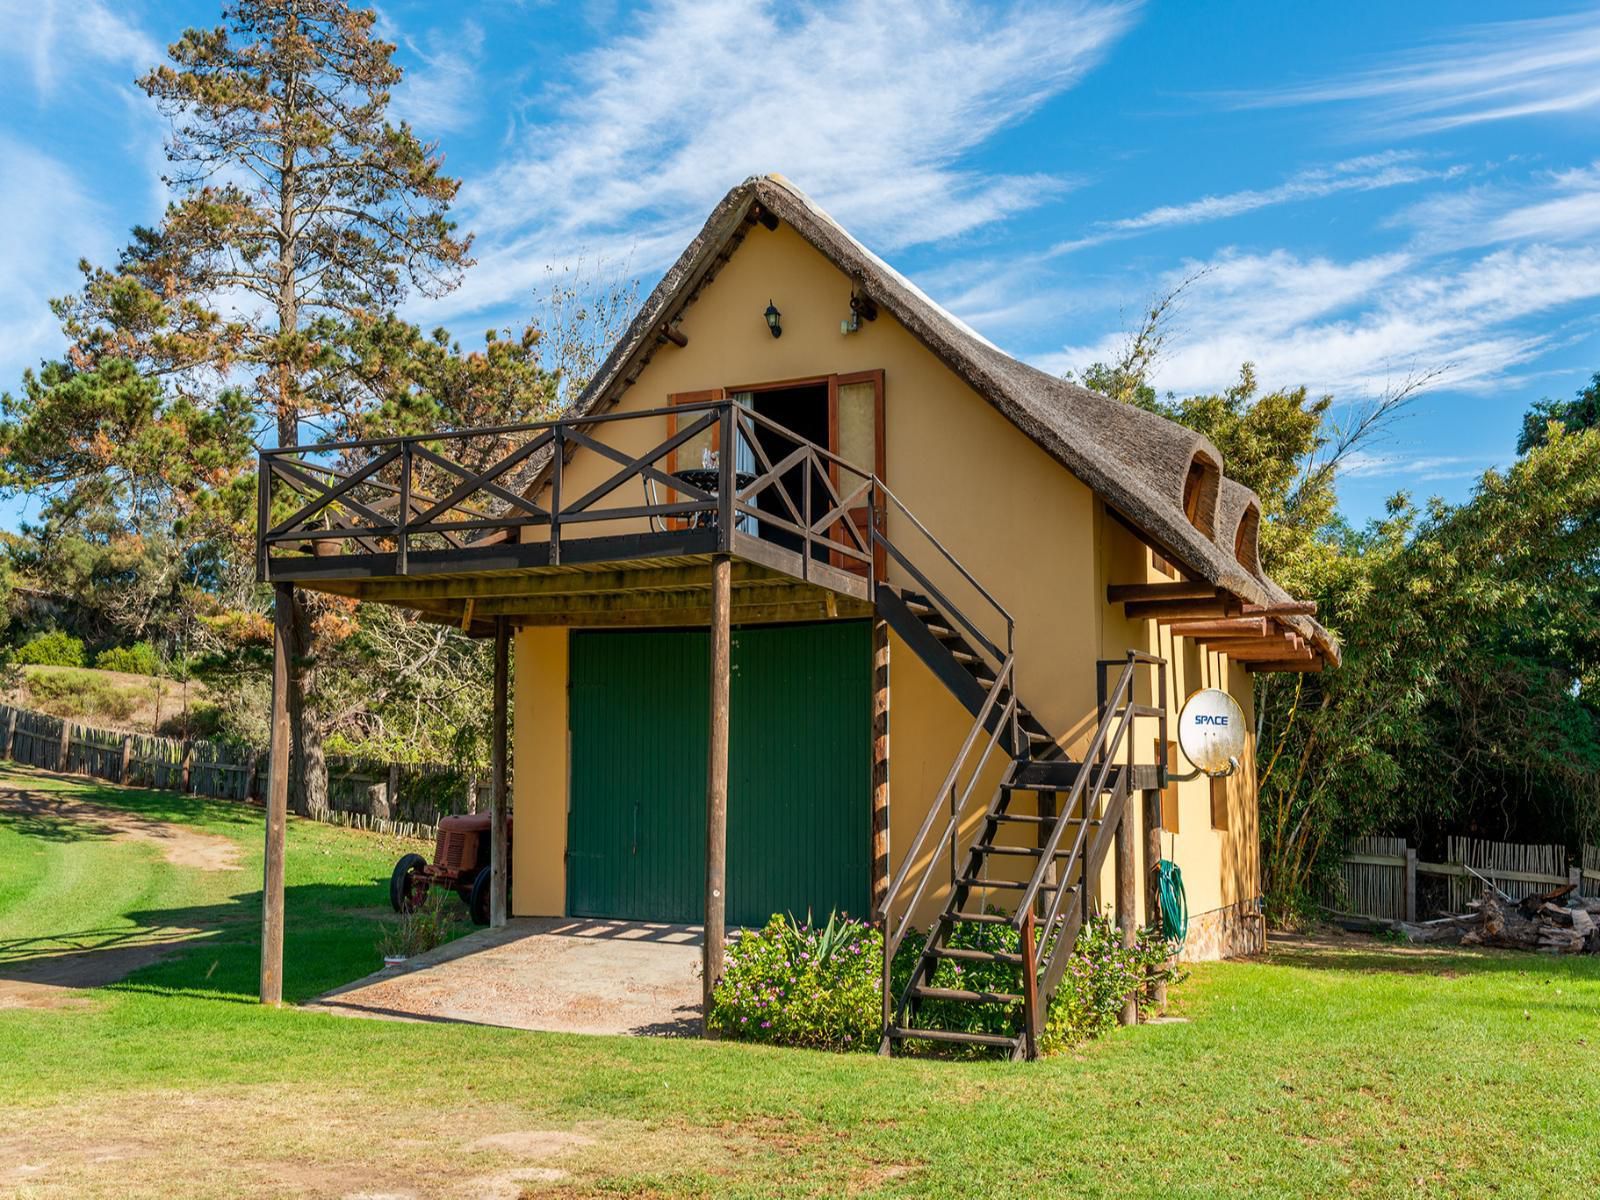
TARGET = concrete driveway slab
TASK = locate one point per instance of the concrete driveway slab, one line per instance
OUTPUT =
(558, 974)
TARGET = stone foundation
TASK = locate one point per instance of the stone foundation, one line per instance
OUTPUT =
(1230, 932)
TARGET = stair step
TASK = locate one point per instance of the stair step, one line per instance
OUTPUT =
(952, 1035)
(923, 992)
(1030, 819)
(1042, 777)
(1008, 883)
(964, 955)
(1022, 851)
(972, 918)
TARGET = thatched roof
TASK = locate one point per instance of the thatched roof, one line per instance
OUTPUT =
(1136, 461)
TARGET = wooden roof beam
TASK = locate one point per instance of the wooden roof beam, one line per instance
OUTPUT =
(1267, 653)
(1183, 589)
(1288, 608)
(1221, 627)
(1308, 666)
(1271, 641)
(1167, 611)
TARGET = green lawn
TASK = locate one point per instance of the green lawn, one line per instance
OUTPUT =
(1352, 1069)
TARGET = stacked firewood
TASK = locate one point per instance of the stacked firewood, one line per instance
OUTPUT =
(1556, 922)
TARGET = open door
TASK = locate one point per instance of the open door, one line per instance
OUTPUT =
(856, 434)
(698, 451)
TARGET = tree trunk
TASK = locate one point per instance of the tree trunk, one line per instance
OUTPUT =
(308, 785)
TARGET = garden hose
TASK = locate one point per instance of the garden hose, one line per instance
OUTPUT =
(1174, 902)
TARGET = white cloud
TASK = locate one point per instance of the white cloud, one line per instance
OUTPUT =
(442, 91)
(47, 222)
(53, 36)
(1495, 72)
(1557, 207)
(1419, 468)
(870, 108)
(1365, 174)
(1359, 327)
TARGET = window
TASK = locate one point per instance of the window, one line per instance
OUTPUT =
(1221, 791)
(1245, 545)
(1169, 794)
(1200, 488)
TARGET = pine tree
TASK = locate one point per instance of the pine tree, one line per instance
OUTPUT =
(302, 216)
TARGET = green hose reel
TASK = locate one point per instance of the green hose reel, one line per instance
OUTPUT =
(1174, 902)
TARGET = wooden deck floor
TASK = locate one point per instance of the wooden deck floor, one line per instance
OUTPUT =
(652, 579)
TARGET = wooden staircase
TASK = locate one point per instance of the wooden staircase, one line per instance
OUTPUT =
(1054, 817)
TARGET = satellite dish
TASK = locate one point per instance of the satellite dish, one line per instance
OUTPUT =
(1211, 731)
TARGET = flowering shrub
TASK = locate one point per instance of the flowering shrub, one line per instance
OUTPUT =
(792, 984)
(1099, 976)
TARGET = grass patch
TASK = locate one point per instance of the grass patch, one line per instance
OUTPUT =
(1326, 1069)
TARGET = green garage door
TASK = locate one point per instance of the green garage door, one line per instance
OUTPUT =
(798, 814)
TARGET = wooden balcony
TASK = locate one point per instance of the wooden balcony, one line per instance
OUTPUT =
(577, 522)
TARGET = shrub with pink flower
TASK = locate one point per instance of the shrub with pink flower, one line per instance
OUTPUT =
(793, 984)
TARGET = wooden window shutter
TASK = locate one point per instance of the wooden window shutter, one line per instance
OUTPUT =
(690, 454)
(1169, 794)
(1221, 787)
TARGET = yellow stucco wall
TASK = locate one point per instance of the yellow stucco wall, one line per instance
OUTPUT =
(1220, 867)
(539, 796)
(1035, 536)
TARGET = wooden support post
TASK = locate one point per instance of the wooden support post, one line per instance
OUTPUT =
(1125, 900)
(277, 800)
(717, 781)
(127, 755)
(1030, 989)
(8, 748)
(1152, 856)
(64, 751)
(1411, 886)
(1052, 872)
(187, 766)
(880, 767)
(497, 795)
(391, 791)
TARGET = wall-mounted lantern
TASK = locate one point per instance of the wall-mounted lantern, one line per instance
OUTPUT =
(772, 314)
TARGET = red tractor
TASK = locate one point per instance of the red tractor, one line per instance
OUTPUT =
(460, 863)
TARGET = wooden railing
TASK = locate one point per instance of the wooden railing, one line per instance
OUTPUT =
(452, 489)
(999, 714)
(459, 490)
(1119, 708)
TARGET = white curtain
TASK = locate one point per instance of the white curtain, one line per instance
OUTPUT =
(744, 460)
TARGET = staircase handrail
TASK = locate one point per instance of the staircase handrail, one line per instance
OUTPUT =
(1098, 760)
(881, 538)
(894, 935)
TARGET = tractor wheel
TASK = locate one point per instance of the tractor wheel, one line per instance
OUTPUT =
(400, 881)
(478, 900)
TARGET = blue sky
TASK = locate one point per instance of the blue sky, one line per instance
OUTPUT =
(1373, 190)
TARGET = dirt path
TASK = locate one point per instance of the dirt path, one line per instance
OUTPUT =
(181, 846)
(55, 971)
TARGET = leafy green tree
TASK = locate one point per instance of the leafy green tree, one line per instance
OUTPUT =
(1472, 637)
(301, 218)
(1581, 412)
